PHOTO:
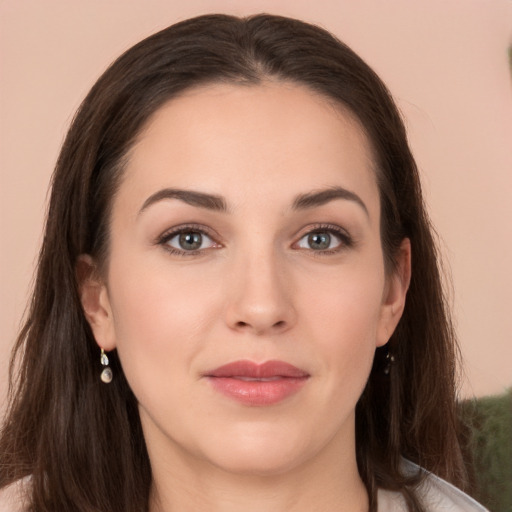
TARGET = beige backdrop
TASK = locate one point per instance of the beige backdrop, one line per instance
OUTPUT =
(445, 61)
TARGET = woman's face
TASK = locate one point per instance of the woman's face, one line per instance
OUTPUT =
(245, 290)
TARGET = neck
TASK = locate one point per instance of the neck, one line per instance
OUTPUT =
(329, 483)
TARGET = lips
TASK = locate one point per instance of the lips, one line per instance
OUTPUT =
(257, 384)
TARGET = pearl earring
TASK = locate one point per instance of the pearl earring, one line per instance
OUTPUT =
(390, 361)
(106, 374)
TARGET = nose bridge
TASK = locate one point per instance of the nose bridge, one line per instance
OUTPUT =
(262, 300)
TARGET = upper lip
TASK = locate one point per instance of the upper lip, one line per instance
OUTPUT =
(254, 370)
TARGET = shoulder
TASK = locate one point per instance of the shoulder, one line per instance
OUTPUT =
(436, 494)
(13, 498)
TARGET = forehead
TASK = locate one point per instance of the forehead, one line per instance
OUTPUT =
(275, 139)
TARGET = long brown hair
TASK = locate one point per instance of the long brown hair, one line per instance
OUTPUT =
(81, 441)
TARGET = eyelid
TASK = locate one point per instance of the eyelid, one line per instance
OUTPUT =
(170, 233)
(346, 240)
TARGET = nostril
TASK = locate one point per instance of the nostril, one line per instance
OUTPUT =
(244, 325)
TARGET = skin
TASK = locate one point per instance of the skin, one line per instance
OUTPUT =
(256, 289)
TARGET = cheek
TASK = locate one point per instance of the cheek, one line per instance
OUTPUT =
(345, 304)
(343, 317)
(158, 318)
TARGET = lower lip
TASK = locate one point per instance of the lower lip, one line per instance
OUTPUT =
(258, 393)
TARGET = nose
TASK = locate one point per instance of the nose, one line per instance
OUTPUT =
(261, 298)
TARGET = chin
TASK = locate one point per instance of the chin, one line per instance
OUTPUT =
(260, 453)
(261, 464)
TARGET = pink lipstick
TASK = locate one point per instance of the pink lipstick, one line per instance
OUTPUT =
(257, 384)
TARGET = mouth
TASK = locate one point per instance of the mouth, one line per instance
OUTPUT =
(257, 384)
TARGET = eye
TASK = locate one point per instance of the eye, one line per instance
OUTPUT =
(319, 241)
(187, 240)
(324, 240)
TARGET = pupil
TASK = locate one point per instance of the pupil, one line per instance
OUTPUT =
(190, 241)
(319, 240)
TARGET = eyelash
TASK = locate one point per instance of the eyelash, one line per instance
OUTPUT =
(346, 241)
(164, 239)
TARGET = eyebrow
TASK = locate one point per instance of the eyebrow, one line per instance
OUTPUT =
(193, 198)
(321, 197)
(218, 203)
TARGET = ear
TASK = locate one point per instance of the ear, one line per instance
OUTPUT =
(95, 302)
(395, 292)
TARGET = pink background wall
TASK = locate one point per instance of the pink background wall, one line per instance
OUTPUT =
(445, 61)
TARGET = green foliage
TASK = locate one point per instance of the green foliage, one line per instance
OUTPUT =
(489, 421)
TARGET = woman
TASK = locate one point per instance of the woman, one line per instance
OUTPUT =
(238, 303)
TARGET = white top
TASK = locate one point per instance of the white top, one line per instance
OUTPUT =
(437, 495)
